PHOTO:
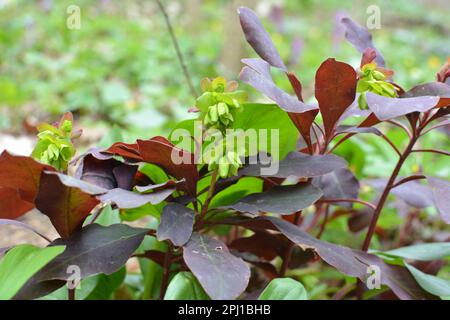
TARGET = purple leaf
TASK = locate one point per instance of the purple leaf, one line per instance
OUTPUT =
(338, 184)
(413, 193)
(279, 199)
(429, 89)
(389, 108)
(258, 38)
(222, 275)
(361, 39)
(268, 87)
(298, 165)
(353, 129)
(354, 262)
(260, 66)
(95, 249)
(176, 224)
(441, 193)
(125, 199)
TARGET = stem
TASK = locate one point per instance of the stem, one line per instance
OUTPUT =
(347, 136)
(210, 194)
(433, 151)
(177, 49)
(71, 294)
(324, 222)
(384, 195)
(287, 258)
(166, 273)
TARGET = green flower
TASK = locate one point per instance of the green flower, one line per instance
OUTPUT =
(219, 102)
(372, 79)
(54, 146)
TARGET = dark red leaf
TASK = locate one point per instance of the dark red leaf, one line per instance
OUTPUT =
(12, 206)
(177, 222)
(176, 162)
(258, 38)
(19, 182)
(335, 90)
(262, 244)
(66, 207)
(361, 39)
(222, 275)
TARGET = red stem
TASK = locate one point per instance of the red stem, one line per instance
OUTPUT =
(384, 195)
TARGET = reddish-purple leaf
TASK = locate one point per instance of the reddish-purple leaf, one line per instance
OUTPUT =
(106, 173)
(177, 222)
(339, 184)
(268, 88)
(222, 275)
(299, 165)
(335, 90)
(353, 129)
(67, 207)
(19, 182)
(389, 108)
(441, 192)
(262, 244)
(279, 199)
(258, 38)
(176, 162)
(361, 39)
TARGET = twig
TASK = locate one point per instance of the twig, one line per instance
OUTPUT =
(347, 136)
(210, 193)
(407, 179)
(324, 222)
(70, 294)
(366, 203)
(177, 49)
(402, 126)
(343, 291)
(391, 144)
(166, 272)
(433, 151)
(384, 195)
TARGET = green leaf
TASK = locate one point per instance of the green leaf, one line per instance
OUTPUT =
(184, 286)
(284, 289)
(269, 116)
(423, 252)
(20, 264)
(432, 284)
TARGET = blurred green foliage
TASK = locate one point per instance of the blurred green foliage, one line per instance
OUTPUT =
(120, 66)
